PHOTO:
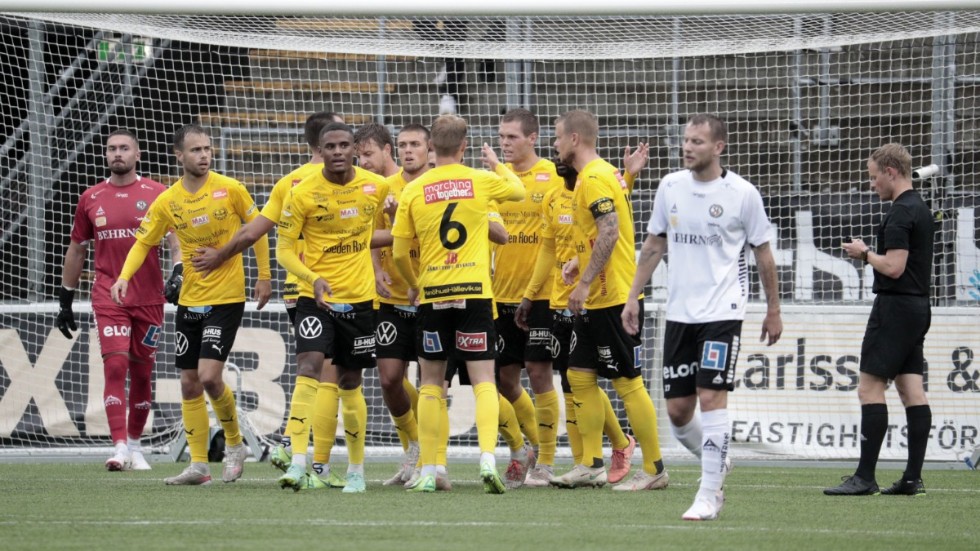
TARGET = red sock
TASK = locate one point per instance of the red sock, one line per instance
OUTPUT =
(140, 395)
(114, 396)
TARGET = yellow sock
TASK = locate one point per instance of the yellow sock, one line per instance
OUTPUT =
(354, 409)
(413, 395)
(430, 419)
(571, 427)
(611, 427)
(524, 408)
(643, 418)
(407, 428)
(299, 423)
(487, 413)
(224, 409)
(196, 427)
(547, 413)
(507, 424)
(590, 415)
(324, 421)
(443, 449)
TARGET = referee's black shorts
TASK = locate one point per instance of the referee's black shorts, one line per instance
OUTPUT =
(895, 334)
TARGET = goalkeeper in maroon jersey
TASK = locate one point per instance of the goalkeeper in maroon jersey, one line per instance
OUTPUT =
(107, 215)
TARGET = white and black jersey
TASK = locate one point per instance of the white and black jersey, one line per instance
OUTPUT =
(708, 226)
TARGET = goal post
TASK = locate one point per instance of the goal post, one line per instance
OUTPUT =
(807, 96)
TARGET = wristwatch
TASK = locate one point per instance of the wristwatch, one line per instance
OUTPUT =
(864, 255)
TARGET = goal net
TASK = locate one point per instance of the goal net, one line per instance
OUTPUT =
(807, 97)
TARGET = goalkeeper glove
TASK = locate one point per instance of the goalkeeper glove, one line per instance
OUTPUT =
(172, 289)
(66, 318)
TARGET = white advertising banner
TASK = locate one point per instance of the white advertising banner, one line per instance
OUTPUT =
(799, 396)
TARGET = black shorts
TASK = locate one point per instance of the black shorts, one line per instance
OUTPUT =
(600, 342)
(700, 355)
(461, 329)
(395, 336)
(893, 340)
(206, 332)
(562, 322)
(344, 333)
(516, 346)
(457, 367)
(291, 312)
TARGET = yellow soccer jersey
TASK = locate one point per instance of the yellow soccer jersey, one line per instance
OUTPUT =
(447, 210)
(337, 222)
(514, 262)
(272, 210)
(208, 218)
(601, 189)
(557, 222)
(398, 287)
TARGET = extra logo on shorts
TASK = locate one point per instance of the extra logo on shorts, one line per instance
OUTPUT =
(386, 334)
(714, 356)
(310, 327)
(430, 342)
(471, 342)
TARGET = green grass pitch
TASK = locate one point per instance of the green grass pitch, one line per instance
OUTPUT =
(81, 506)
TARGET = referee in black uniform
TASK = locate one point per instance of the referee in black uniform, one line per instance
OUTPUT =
(900, 317)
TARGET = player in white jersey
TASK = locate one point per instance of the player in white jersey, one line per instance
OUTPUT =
(707, 215)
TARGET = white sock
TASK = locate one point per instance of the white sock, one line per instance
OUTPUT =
(689, 435)
(287, 443)
(134, 445)
(429, 470)
(122, 448)
(441, 469)
(300, 459)
(714, 448)
(355, 468)
(487, 456)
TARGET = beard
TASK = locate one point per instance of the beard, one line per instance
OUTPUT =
(121, 168)
(197, 171)
(567, 173)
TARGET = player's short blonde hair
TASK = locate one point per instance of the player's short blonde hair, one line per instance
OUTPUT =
(895, 156)
(581, 122)
(448, 133)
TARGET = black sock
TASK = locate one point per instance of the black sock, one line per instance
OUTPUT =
(919, 419)
(874, 424)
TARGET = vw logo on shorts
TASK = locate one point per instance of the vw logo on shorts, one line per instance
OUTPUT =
(573, 342)
(555, 347)
(181, 346)
(386, 333)
(500, 344)
(310, 327)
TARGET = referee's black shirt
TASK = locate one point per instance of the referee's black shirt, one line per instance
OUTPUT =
(909, 225)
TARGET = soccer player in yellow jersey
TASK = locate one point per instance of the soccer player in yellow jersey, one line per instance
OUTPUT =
(306, 390)
(517, 349)
(560, 245)
(335, 210)
(602, 213)
(375, 149)
(203, 208)
(395, 335)
(446, 210)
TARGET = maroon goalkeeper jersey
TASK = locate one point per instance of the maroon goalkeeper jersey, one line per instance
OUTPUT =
(109, 216)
